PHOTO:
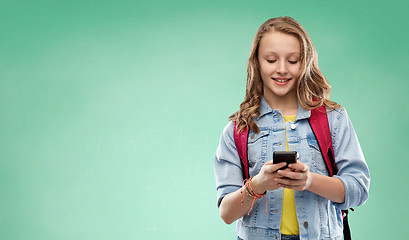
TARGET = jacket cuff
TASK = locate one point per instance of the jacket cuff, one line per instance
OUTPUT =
(356, 193)
(223, 191)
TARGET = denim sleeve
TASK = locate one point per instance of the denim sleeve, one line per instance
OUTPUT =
(227, 165)
(352, 168)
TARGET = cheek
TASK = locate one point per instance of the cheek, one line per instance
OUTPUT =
(266, 69)
(263, 70)
(295, 70)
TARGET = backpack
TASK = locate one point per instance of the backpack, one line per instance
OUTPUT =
(320, 127)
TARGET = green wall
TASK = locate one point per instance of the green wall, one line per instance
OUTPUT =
(111, 111)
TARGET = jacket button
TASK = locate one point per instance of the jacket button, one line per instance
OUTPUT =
(305, 224)
(293, 126)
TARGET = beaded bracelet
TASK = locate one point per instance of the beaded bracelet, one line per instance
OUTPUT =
(248, 187)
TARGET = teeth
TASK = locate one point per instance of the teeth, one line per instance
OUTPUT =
(280, 80)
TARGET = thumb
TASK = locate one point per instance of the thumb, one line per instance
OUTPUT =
(277, 166)
(269, 162)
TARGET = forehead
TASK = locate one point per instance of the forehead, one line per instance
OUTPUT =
(279, 43)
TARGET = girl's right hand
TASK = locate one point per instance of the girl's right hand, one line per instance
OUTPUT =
(264, 180)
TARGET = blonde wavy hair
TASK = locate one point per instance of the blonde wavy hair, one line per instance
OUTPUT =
(313, 90)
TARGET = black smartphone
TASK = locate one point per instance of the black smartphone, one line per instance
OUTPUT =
(284, 156)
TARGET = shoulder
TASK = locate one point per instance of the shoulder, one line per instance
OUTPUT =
(227, 150)
(228, 129)
(338, 114)
(340, 123)
(227, 135)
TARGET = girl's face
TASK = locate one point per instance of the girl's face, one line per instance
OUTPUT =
(279, 59)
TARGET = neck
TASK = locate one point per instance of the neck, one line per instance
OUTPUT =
(287, 104)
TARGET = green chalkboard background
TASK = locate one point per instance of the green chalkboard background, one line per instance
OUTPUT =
(111, 111)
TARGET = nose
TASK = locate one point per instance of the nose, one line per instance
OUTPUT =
(282, 67)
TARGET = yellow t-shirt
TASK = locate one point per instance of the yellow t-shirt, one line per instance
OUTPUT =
(289, 221)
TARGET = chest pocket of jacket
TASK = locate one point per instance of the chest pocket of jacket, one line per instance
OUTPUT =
(257, 148)
(317, 160)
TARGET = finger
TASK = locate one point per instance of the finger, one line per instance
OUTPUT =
(288, 183)
(299, 166)
(295, 187)
(287, 170)
(285, 186)
(283, 173)
(291, 174)
(277, 166)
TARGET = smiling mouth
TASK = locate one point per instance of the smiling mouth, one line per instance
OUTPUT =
(281, 80)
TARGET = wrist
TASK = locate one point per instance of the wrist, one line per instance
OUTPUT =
(310, 184)
(257, 186)
(251, 192)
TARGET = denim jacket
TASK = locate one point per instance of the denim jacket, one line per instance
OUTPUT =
(318, 217)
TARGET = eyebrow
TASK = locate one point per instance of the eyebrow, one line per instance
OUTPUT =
(289, 54)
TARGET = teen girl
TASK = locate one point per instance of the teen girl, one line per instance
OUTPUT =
(301, 202)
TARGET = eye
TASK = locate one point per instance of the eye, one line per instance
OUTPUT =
(271, 61)
(292, 62)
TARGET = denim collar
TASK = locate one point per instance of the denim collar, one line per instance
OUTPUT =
(265, 109)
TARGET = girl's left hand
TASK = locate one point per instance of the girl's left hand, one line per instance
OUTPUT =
(297, 176)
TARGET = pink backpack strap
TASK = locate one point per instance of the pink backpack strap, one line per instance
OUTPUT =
(320, 127)
(240, 139)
